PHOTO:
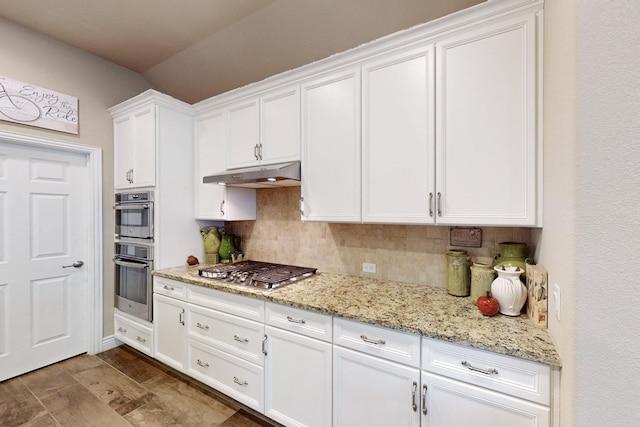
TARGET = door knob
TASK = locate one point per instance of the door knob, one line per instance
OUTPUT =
(76, 264)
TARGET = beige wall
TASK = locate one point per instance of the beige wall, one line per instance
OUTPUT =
(98, 85)
(407, 253)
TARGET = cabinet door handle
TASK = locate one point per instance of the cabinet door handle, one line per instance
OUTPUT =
(430, 205)
(489, 371)
(122, 330)
(292, 320)
(260, 151)
(439, 196)
(255, 152)
(140, 339)
(222, 208)
(181, 317)
(240, 339)
(414, 387)
(371, 341)
(237, 381)
(302, 206)
(264, 345)
(424, 399)
(201, 363)
(201, 326)
(169, 288)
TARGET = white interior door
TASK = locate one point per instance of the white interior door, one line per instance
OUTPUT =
(44, 206)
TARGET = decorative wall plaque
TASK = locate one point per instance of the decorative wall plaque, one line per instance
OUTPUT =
(465, 236)
(32, 105)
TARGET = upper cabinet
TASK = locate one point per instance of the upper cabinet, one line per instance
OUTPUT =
(331, 147)
(398, 137)
(135, 148)
(488, 144)
(213, 201)
(264, 130)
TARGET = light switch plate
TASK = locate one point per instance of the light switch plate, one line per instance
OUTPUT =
(556, 300)
(368, 267)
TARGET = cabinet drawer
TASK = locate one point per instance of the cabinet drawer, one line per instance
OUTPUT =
(241, 337)
(506, 374)
(133, 334)
(170, 288)
(249, 308)
(309, 323)
(390, 344)
(233, 376)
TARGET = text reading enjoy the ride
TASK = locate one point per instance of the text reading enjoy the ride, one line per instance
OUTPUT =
(36, 106)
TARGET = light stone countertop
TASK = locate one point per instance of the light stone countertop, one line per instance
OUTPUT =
(419, 309)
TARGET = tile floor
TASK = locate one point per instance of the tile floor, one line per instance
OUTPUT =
(119, 387)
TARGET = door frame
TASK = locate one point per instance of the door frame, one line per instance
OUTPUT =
(95, 264)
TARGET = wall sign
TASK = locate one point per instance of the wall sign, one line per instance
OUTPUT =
(32, 105)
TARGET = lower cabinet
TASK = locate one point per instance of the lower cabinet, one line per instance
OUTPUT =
(298, 367)
(169, 331)
(134, 332)
(451, 403)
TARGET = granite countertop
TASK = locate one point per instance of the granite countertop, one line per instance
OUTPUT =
(419, 309)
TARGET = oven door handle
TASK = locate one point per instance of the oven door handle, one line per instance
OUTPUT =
(140, 265)
(131, 206)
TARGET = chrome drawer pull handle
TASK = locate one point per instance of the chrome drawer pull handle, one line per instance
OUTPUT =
(169, 288)
(424, 399)
(201, 363)
(140, 339)
(292, 320)
(237, 338)
(237, 381)
(201, 326)
(413, 396)
(370, 341)
(490, 371)
(121, 329)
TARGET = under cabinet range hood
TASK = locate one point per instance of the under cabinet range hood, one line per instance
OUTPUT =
(268, 176)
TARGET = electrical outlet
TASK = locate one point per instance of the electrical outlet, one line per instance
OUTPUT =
(556, 300)
(368, 267)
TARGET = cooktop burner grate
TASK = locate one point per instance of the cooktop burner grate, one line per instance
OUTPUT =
(257, 274)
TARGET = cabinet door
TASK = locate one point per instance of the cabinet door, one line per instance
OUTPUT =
(331, 148)
(398, 137)
(487, 150)
(450, 403)
(144, 169)
(123, 151)
(169, 331)
(280, 126)
(244, 134)
(369, 391)
(297, 379)
(217, 202)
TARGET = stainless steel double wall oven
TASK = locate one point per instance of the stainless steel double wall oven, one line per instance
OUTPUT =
(133, 253)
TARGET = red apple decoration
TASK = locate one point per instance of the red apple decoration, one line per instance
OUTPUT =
(488, 305)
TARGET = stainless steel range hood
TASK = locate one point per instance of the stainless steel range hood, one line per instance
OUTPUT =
(278, 175)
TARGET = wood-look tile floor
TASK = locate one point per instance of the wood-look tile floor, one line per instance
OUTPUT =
(119, 387)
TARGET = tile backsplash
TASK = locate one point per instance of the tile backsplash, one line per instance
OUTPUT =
(405, 253)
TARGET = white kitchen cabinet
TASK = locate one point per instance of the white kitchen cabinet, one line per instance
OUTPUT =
(398, 148)
(212, 201)
(331, 177)
(298, 363)
(264, 130)
(488, 133)
(465, 386)
(135, 148)
(169, 331)
(135, 332)
(376, 376)
(451, 403)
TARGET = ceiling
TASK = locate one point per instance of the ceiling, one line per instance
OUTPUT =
(194, 49)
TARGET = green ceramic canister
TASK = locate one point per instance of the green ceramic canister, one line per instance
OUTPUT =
(482, 275)
(458, 273)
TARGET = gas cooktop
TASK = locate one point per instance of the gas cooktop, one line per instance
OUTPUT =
(257, 274)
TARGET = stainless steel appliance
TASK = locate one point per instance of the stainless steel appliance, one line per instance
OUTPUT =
(134, 215)
(258, 274)
(133, 285)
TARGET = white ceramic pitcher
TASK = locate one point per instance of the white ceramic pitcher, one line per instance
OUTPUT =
(507, 288)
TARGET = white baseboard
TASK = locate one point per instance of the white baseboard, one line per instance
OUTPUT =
(110, 342)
